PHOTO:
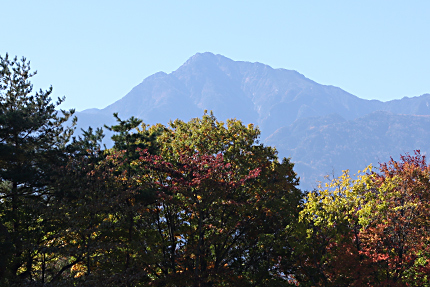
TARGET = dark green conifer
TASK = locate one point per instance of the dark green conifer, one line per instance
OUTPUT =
(32, 136)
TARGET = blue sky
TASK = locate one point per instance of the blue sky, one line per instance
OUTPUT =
(94, 52)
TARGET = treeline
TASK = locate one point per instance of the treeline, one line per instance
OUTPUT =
(198, 203)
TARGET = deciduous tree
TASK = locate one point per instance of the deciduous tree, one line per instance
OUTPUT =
(221, 212)
(373, 230)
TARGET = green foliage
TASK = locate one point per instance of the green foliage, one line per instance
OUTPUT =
(31, 138)
(228, 202)
(371, 230)
(198, 203)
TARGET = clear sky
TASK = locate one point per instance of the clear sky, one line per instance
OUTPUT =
(94, 52)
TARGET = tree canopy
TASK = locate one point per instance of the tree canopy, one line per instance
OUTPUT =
(32, 136)
(197, 203)
(373, 230)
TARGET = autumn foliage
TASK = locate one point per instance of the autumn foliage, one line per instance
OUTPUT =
(197, 203)
(373, 230)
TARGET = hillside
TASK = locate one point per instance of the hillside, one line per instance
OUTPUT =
(322, 128)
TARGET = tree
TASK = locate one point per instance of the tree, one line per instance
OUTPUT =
(374, 230)
(32, 136)
(328, 242)
(224, 210)
(396, 218)
(193, 204)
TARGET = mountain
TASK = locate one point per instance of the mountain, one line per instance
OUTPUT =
(320, 127)
(323, 145)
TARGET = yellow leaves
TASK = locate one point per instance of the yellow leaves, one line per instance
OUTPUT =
(80, 269)
(109, 218)
(132, 201)
(339, 201)
(134, 163)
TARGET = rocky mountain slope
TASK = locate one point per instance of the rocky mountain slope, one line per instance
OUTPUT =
(322, 128)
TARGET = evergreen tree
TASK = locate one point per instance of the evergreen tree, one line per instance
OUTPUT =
(32, 136)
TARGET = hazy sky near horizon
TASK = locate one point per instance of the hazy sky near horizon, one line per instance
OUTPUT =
(95, 52)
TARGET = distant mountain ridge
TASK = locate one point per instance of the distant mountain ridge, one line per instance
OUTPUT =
(277, 100)
(330, 143)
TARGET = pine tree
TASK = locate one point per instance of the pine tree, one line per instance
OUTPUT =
(32, 136)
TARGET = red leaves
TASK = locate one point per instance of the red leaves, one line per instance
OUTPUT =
(386, 242)
(205, 214)
(195, 171)
(399, 236)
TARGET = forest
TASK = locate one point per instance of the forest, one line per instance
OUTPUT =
(197, 203)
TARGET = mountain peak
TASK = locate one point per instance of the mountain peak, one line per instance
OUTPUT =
(156, 76)
(318, 126)
(206, 58)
